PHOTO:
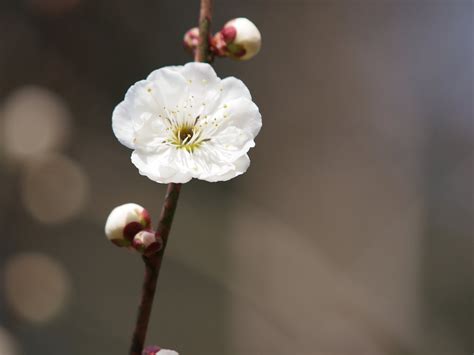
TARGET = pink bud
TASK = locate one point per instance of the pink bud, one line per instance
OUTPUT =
(147, 242)
(191, 39)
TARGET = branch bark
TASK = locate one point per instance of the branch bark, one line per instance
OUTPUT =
(203, 53)
(152, 270)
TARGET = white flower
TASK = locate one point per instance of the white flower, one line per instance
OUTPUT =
(242, 37)
(124, 222)
(184, 122)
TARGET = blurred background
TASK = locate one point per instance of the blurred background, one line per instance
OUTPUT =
(351, 233)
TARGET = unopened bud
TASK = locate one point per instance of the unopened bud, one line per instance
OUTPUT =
(124, 222)
(156, 350)
(147, 242)
(191, 39)
(239, 39)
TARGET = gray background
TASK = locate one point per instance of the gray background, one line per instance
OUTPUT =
(351, 232)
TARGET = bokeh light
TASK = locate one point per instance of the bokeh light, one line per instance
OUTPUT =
(54, 189)
(8, 345)
(35, 121)
(36, 286)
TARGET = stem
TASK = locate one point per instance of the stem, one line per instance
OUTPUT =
(205, 16)
(153, 263)
(152, 270)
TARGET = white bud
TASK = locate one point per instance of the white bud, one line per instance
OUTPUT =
(124, 222)
(242, 38)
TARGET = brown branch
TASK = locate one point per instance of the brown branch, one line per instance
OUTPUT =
(152, 270)
(153, 263)
(203, 53)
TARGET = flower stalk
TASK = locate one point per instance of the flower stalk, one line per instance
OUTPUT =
(153, 263)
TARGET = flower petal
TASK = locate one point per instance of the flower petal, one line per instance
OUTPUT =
(231, 143)
(122, 125)
(157, 167)
(232, 88)
(199, 75)
(241, 113)
(237, 168)
(169, 86)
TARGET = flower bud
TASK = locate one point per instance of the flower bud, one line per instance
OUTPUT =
(239, 39)
(191, 39)
(147, 242)
(124, 222)
(156, 350)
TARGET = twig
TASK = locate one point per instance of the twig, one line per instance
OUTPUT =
(205, 16)
(152, 270)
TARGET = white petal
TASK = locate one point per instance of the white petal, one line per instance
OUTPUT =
(159, 167)
(176, 68)
(210, 165)
(233, 88)
(203, 87)
(241, 113)
(229, 89)
(139, 100)
(238, 167)
(231, 143)
(150, 132)
(170, 86)
(122, 125)
(199, 75)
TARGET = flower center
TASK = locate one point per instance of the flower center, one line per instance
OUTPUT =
(186, 136)
(185, 133)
